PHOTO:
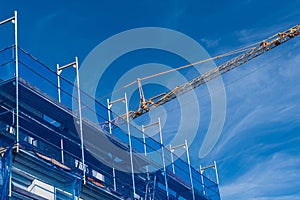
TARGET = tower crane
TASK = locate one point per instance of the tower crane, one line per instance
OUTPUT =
(264, 46)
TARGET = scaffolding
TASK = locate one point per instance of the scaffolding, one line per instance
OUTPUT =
(47, 150)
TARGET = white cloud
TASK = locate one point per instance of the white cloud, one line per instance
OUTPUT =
(257, 34)
(265, 96)
(277, 178)
(210, 43)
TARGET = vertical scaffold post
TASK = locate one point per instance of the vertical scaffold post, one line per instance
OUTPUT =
(80, 117)
(163, 158)
(17, 78)
(130, 145)
(145, 150)
(14, 20)
(185, 146)
(172, 159)
(124, 100)
(190, 168)
(129, 137)
(145, 153)
(202, 169)
(109, 105)
(62, 150)
(9, 169)
(216, 170)
(59, 70)
(202, 181)
(162, 153)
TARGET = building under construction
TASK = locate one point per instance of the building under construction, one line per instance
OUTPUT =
(47, 153)
(52, 149)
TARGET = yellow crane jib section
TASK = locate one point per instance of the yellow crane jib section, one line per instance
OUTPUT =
(261, 48)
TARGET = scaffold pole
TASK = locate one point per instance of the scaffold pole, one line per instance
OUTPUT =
(130, 145)
(80, 117)
(190, 169)
(145, 149)
(214, 166)
(202, 180)
(59, 71)
(109, 105)
(185, 146)
(172, 159)
(163, 158)
(62, 150)
(15, 21)
(216, 170)
(162, 149)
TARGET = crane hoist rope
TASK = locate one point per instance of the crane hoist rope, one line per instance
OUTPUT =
(246, 54)
(233, 52)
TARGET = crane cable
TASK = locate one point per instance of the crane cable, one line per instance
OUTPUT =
(240, 50)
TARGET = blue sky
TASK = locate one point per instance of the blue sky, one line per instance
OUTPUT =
(258, 152)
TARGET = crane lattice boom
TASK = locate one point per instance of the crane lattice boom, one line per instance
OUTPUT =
(261, 48)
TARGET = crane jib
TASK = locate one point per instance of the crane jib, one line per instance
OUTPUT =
(264, 46)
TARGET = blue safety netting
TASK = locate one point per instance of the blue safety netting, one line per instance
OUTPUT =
(211, 189)
(5, 173)
(45, 79)
(7, 64)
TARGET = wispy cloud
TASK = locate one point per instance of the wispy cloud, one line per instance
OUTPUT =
(261, 130)
(260, 96)
(272, 105)
(210, 42)
(247, 36)
(276, 178)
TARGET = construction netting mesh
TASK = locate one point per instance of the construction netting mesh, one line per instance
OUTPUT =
(45, 80)
(5, 172)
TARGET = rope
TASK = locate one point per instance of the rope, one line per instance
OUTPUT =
(240, 50)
